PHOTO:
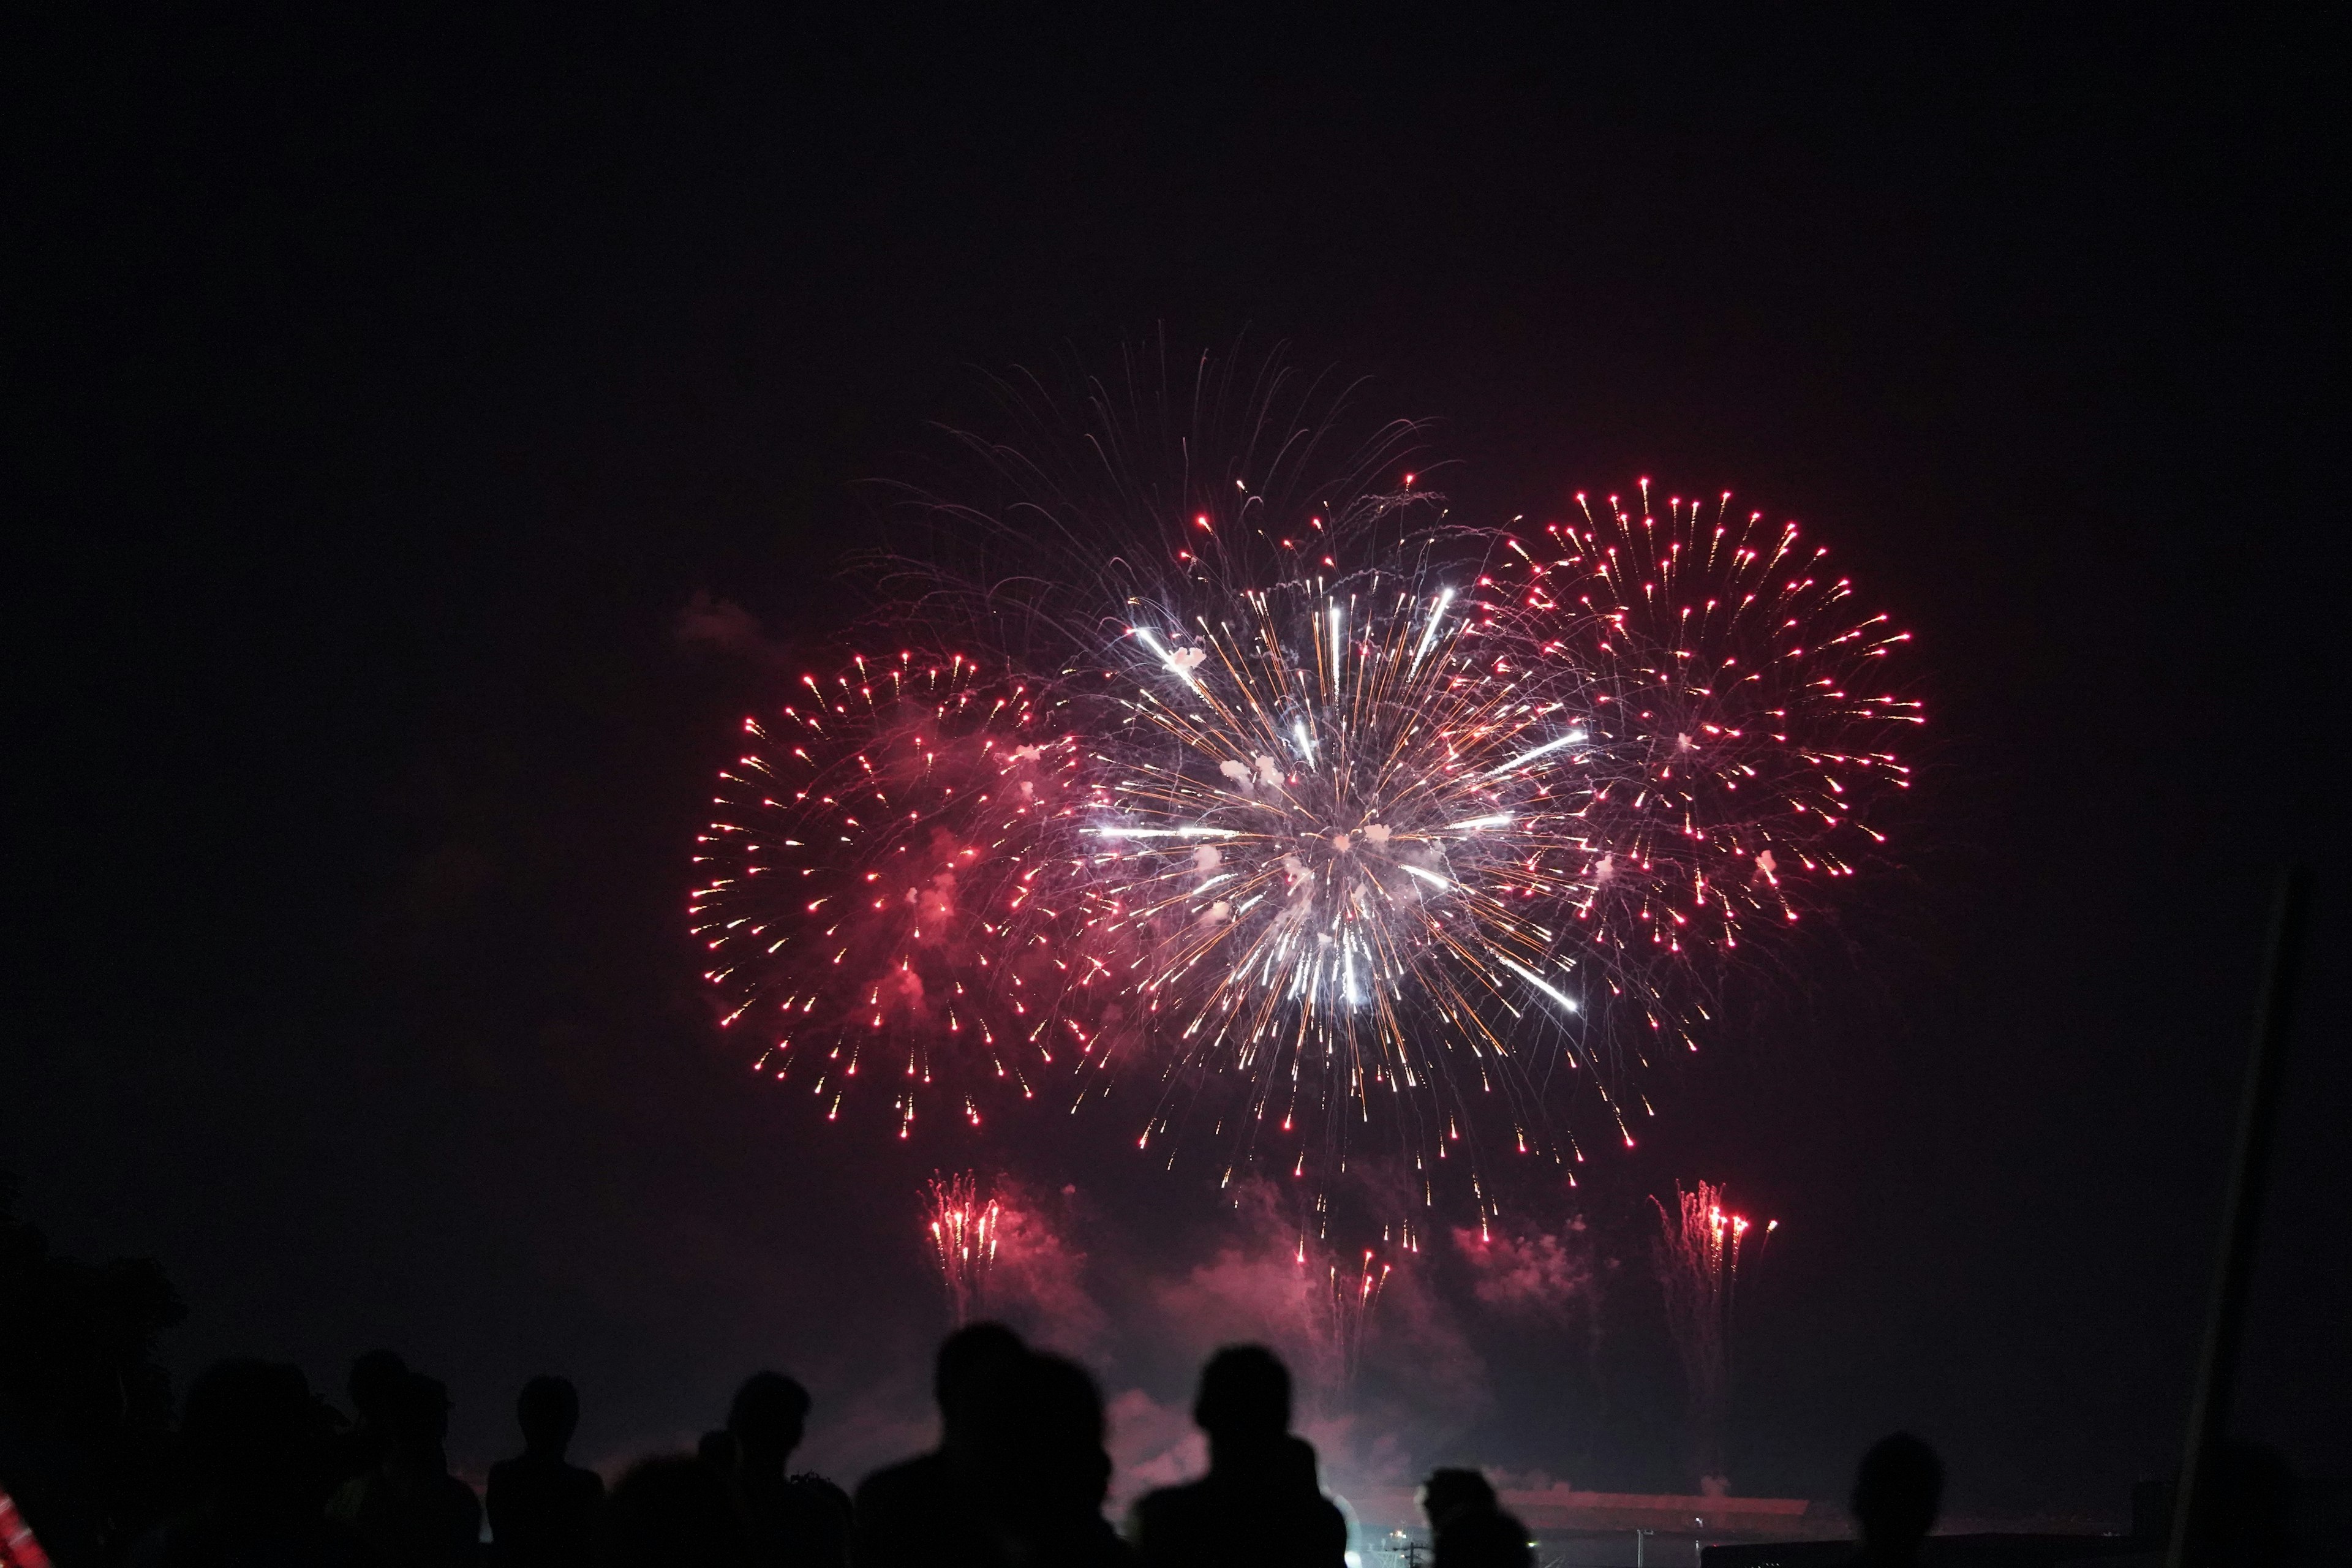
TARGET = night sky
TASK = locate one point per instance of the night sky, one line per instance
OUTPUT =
(379, 400)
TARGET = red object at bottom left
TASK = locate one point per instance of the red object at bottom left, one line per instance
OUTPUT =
(18, 1546)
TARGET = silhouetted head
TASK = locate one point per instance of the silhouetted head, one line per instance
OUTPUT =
(375, 1385)
(670, 1512)
(548, 1410)
(1245, 1398)
(1058, 1399)
(967, 1359)
(767, 1417)
(1897, 1494)
(249, 1436)
(1039, 1433)
(1450, 1492)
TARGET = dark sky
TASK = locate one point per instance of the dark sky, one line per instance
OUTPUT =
(379, 398)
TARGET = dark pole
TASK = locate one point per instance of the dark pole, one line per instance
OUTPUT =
(2233, 1267)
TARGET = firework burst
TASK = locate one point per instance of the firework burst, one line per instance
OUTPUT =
(879, 893)
(1741, 720)
(1352, 834)
(1333, 819)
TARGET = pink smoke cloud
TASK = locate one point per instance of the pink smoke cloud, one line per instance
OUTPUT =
(1039, 1281)
(1543, 1274)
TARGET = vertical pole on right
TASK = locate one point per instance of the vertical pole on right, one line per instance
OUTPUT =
(2234, 1265)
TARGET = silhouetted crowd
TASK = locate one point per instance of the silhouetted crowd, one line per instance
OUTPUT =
(268, 1474)
(262, 1472)
(258, 1471)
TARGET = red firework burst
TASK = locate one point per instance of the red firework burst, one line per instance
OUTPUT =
(1743, 728)
(880, 892)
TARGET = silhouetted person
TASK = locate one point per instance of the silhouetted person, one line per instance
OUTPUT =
(258, 1459)
(1039, 1467)
(410, 1508)
(543, 1508)
(717, 1449)
(1469, 1527)
(1260, 1502)
(374, 1388)
(924, 1510)
(671, 1512)
(1897, 1491)
(788, 1521)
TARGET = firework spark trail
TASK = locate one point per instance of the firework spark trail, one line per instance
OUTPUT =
(881, 890)
(1159, 481)
(1340, 1305)
(964, 1233)
(1697, 1258)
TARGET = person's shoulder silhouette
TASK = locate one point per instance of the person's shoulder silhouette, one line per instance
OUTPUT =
(1260, 1502)
(1042, 1465)
(410, 1508)
(924, 1511)
(671, 1512)
(542, 1508)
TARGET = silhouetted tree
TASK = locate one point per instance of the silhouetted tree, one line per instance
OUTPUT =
(85, 1410)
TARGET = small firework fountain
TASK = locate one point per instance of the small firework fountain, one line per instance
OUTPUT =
(963, 1228)
(1697, 1256)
